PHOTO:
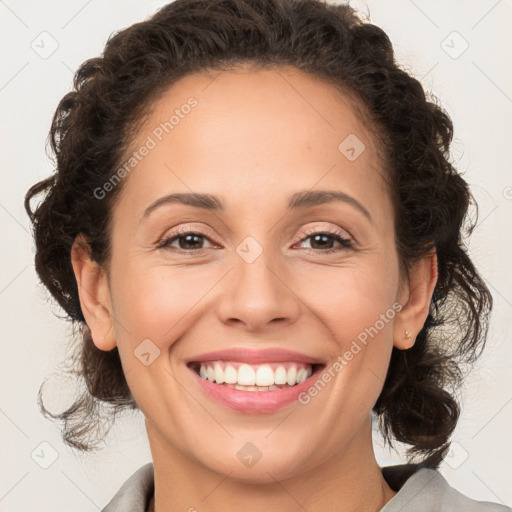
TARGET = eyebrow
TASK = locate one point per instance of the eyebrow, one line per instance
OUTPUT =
(299, 200)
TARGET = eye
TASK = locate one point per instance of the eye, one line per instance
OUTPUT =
(188, 241)
(320, 239)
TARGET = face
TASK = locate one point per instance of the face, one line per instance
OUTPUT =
(262, 281)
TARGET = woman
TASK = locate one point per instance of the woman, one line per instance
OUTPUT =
(256, 225)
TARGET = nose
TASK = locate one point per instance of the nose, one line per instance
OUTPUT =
(258, 295)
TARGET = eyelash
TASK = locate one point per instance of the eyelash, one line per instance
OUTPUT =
(337, 235)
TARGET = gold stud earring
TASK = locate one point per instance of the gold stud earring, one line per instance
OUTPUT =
(407, 334)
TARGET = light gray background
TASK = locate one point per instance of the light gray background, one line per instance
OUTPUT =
(476, 90)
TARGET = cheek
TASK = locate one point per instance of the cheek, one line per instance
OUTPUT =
(351, 298)
(358, 313)
(157, 302)
(356, 306)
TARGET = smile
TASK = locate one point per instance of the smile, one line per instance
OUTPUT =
(254, 382)
(262, 377)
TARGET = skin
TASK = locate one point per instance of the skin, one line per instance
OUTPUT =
(255, 138)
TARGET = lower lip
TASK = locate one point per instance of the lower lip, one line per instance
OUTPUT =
(255, 402)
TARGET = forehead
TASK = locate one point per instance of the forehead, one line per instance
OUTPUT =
(260, 134)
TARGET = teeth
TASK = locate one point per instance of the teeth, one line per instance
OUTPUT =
(252, 388)
(219, 374)
(280, 375)
(291, 376)
(264, 377)
(246, 375)
(230, 375)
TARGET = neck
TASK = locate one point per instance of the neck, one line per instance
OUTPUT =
(350, 481)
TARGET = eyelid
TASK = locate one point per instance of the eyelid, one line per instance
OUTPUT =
(183, 231)
(327, 230)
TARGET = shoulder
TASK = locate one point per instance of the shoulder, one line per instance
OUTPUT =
(426, 490)
(135, 494)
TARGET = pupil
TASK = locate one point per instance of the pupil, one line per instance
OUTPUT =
(187, 238)
(316, 237)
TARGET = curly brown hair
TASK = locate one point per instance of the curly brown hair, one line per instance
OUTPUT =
(95, 123)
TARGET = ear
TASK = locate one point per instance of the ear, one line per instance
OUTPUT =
(94, 294)
(415, 296)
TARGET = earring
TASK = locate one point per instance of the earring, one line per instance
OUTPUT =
(407, 334)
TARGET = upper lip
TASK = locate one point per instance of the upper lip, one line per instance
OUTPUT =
(252, 356)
